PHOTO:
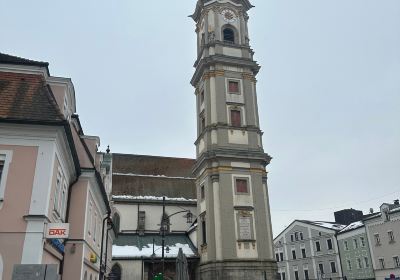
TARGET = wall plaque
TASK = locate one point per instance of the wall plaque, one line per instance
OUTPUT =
(245, 227)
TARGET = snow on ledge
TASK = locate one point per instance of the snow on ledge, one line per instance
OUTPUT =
(153, 176)
(154, 198)
(352, 226)
(147, 251)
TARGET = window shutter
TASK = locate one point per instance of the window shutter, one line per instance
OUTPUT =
(233, 87)
(241, 186)
(235, 118)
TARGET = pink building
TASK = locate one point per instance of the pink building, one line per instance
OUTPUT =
(50, 172)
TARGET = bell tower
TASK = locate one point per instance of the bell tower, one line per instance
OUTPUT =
(234, 224)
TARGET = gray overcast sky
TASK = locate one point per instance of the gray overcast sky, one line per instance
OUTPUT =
(329, 87)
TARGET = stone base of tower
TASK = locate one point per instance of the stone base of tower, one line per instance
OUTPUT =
(239, 270)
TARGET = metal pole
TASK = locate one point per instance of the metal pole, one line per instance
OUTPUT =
(152, 262)
(163, 236)
(101, 250)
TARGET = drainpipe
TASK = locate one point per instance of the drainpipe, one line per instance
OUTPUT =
(101, 274)
(105, 258)
(67, 219)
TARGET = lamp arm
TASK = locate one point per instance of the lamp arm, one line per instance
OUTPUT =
(183, 211)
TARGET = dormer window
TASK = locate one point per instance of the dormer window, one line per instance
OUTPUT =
(229, 35)
(385, 214)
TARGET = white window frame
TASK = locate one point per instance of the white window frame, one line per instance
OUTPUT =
(381, 263)
(6, 156)
(240, 85)
(334, 265)
(355, 243)
(89, 222)
(316, 247)
(377, 239)
(63, 199)
(57, 193)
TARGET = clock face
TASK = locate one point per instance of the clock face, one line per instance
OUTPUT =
(228, 15)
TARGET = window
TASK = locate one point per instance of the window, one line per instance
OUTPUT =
(2, 162)
(296, 236)
(95, 226)
(241, 186)
(386, 214)
(391, 236)
(281, 255)
(306, 276)
(202, 192)
(57, 191)
(89, 225)
(362, 239)
(141, 221)
(291, 237)
(203, 229)
(303, 253)
(229, 35)
(333, 267)
(396, 261)
(359, 264)
(382, 263)
(283, 276)
(296, 275)
(236, 118)
(63, 200)
(318, 246)
(355, 243)
(377, 239)
(233, 87)
(366, 262)
(202, 123)
(321, 267)
(301, 236)
(294, 254)
(202, 97)
(116, 272)
(277, 257)
(329, 243)
(346, 245)
(348, 264)
(116, 222)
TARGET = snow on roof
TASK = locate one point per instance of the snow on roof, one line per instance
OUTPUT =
(352, 226)
(328, 225)
(150, 197)
(151, 175)
(147, 251)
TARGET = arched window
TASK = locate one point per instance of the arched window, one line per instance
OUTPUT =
(116, 272)
(229, 35)
(116, 221)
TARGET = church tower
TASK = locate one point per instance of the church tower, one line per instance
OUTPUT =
(234, 224)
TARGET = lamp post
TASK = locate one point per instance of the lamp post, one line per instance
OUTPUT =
(164, 221)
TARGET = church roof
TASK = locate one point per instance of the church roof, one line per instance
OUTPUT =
(142, 175)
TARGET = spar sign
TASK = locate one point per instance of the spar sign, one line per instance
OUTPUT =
(57, 230)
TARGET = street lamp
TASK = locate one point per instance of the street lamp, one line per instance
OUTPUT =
(164, 227)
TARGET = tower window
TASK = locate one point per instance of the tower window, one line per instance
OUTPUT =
(241, 186)
(229, 35)
(233, 87)
(203, 229)
(202, 123)
(202, 192)
(202, 97)
(236, 118)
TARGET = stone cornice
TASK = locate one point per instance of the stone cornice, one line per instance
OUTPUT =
(225, 60)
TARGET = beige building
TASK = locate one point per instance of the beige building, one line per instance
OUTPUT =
(383, 231)
(50, 173)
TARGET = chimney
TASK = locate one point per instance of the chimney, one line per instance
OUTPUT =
(396, 202)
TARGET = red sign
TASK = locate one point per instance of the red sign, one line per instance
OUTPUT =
(57, 230)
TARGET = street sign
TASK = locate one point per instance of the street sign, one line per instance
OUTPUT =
(57, 231)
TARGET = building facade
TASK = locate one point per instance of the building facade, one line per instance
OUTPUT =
(139, 185)
(383, 231)
(41, 168)
(308, 250)
(355, 252)
(234, 229)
